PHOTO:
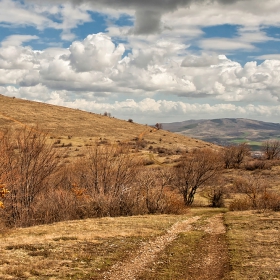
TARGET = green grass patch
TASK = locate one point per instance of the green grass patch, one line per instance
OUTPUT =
(239, 141)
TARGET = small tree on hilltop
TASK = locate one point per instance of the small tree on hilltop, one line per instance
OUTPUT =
(158, 125)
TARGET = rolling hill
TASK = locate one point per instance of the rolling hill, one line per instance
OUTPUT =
(77, 129)
(227, 131)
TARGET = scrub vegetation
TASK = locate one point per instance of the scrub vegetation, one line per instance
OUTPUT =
(144, 206)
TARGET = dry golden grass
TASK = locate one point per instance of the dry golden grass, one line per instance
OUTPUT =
(80, 129)
(254, 245)
(76, 249)
(88, 248)
(195, 254)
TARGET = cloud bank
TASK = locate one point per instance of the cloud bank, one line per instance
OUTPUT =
(158, 64)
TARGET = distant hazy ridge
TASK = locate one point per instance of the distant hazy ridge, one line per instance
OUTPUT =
(227, 131)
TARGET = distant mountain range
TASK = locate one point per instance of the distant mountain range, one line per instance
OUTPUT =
(227, 131)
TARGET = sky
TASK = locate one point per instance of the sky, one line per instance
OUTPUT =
(150, 61)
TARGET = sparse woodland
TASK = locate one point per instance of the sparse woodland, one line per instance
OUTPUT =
(38, 187)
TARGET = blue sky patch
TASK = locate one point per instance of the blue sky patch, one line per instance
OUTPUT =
(221, 31)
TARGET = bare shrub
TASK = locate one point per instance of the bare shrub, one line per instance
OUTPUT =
(161, 150)
(253, 187)
(257, 164)
(155, 188)
(107, 173)
(27, 163)
(216, 197)
(234, 156)
(271, 149)
(56, 205)
(240, 204)
(195, 170)
(257, 194)
(141, 144)
(270, 200)
(148, 161)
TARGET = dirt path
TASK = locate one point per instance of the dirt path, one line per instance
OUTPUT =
(148, 253)
(210, 259)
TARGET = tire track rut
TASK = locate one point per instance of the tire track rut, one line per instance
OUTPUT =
(128, 270)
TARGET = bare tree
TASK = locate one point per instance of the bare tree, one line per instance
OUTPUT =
(271, 149)
(28, 163)
(158, 125)
(234, 156)
(196, 170)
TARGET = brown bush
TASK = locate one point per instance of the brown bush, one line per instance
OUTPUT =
(216, 197)
(155, 190)
(240, 204)
(270, 200)
(148, 161)
(27, 163)
(253, 187)
(257, 194)
(234, 156)
(257, 164)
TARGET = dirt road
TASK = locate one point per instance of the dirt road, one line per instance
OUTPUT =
(210, 259)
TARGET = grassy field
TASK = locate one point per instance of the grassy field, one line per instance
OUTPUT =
(76, 249)
(248, 249)
(253, 241)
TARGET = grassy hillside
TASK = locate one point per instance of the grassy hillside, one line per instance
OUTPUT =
(80, 128)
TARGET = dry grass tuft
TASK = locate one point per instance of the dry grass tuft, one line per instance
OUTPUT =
(76, 249)
(254, 245)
